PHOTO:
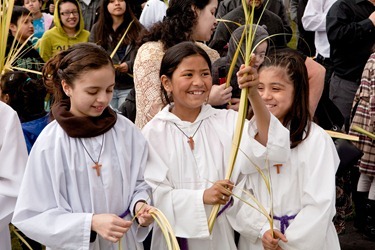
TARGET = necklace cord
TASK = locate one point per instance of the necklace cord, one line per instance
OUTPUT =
(100, 153)
(185, 133)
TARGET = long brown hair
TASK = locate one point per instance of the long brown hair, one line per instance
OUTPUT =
(298, 118)
(70, 64)
(105, 35)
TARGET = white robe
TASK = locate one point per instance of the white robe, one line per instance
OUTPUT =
(179, 175)
(13, 157)
(305, 187)
(61, 191)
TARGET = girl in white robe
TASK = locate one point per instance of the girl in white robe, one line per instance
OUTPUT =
(190, 143)
(304, 188)
(84, 179)
(13, 155)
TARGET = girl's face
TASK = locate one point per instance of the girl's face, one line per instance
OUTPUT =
(276, 90)
(206, 22)
(69, 15)
(260, 53)
(116, 7)
(33, 6)
(92, 92)
(190, 85)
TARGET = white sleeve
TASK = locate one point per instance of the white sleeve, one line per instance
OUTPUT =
(314, 17)
(13, 155)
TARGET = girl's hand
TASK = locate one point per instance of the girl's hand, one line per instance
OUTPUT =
(218, 193)
(123, 67)
(219, 95)
(247, 77)
(110, 226)
(142, 212)
(272, 243)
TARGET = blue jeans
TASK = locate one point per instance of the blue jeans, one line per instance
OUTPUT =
(119, 96)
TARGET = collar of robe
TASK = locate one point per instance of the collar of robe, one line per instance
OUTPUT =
(83, 127)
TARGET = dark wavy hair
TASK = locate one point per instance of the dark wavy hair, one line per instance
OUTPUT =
(177, 25)
(70, 64)
(173, 57)
(26, 95)
(104, 30)
(298, 119)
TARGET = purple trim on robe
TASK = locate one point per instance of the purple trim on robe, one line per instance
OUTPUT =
(183, 242)
(124, 213)
(284, 221)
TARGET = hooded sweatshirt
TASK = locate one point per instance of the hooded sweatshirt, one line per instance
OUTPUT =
(260, 34)
(56, 39)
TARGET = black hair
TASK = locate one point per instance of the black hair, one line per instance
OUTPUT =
(26, 95)
(173, 57)
(178, 23)
(17, 12)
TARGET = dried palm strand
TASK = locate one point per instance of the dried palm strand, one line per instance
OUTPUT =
(339, 135)
(6, 8)
(121, 40)
(166, 228)
(242, 107)
(15, 231)
(363, 131)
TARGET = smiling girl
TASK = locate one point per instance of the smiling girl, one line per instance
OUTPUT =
(90, 161)
(185, 20)
(190, 143)
(68, 29)
(303, 188)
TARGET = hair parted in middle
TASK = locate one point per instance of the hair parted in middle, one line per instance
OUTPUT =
(173, 57)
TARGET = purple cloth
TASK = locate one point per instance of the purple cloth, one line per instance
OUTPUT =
(284, 221)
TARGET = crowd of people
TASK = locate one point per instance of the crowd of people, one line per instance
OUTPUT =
(116, 108)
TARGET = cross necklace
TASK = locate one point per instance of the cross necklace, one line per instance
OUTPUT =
(97, 166)
(190, 138)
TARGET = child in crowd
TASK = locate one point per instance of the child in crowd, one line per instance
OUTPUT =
(261, 43)
(91, 162)
(190, 143)
(68, 29)
(21, 28)
(364, 117)
(185, 20)
(13, 157)
(26, 97)
(303, 189)
(114, 19)
(41, 21)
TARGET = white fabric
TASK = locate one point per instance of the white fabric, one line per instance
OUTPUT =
(179, 175)
(314, 19)
(13, 157)
(304, 187)
(61, 191)
(153, 12)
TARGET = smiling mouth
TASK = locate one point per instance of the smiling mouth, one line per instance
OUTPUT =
(270, 106)
(197, 92)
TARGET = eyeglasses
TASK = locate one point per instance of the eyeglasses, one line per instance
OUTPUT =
(68, 13)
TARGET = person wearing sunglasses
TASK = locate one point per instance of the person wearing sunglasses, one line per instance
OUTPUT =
(68, 30)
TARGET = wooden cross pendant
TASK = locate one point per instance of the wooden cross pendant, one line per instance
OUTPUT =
(278, 167)
(97, 167)
(191, 142)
